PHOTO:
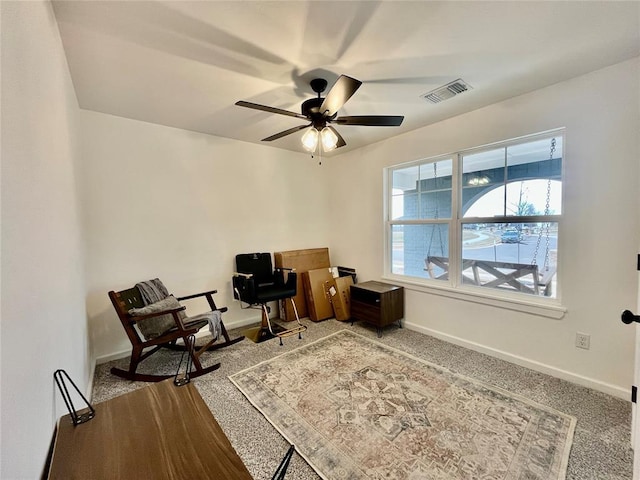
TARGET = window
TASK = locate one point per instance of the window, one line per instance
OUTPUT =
(484, 218)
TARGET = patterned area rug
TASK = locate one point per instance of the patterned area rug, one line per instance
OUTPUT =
(357, 409)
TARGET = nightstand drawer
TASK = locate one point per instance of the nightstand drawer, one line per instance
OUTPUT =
(365, 311)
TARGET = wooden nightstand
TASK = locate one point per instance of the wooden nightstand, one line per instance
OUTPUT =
(377, 303)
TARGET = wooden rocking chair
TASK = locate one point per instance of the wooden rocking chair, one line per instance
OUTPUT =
(178, 326)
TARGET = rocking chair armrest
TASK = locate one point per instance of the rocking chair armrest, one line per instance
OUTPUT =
(137, 318)
(196, 295)
(209, 295)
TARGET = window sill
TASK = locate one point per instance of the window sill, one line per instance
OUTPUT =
(549, 308)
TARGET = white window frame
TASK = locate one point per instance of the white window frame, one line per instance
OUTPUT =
(453, 288)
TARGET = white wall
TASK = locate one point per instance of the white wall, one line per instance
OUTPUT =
(43, 307)
(163, 202)
(600, 232)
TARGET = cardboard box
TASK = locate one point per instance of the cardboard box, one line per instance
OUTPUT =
(339, 290)
(301, 261)
(315, 287)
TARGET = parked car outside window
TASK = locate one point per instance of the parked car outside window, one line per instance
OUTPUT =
(510, 236)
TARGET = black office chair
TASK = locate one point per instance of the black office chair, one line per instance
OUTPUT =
(256, 283)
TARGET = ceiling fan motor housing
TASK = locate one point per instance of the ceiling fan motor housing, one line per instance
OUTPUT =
(311, 107)
(311, 110)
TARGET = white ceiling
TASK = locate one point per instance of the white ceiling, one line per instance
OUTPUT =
(184, 64)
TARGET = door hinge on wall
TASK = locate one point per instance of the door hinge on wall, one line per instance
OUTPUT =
(634, 393)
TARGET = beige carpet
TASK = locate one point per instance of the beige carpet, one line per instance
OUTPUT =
(356, 408)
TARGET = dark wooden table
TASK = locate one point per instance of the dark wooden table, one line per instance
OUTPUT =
(160, 431)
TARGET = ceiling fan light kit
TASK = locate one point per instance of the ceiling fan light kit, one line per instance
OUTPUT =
(310, 139)
(329, 139)
(323, 111)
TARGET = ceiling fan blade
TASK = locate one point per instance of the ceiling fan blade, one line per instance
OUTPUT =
(341, 142)
(371, 120)
(264, 108)
(285, 133)
(342, 90)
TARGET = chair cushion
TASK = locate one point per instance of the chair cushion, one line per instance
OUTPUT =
(274, 292)
(156, 326)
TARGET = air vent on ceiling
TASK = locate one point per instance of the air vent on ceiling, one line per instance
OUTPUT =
(447, 91)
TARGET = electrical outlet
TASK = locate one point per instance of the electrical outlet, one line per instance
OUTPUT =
(583, 340)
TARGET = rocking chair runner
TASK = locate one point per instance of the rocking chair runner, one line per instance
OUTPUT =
(180, 328)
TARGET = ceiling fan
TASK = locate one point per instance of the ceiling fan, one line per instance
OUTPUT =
(321, 112)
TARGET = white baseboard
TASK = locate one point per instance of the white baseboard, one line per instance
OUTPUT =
(113, 356)
(201, 333)
(604, 387)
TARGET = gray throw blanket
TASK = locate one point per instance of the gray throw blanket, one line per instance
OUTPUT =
(153, 291)
(215, 320)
